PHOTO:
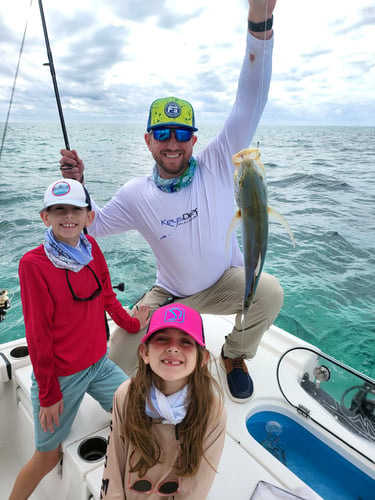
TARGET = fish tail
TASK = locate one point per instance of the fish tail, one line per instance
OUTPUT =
(245, 307)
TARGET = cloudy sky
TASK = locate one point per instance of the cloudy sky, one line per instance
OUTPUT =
(113, 57)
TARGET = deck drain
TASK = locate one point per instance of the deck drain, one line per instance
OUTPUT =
(20, 352)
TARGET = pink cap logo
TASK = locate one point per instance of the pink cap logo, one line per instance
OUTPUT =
(174, 315)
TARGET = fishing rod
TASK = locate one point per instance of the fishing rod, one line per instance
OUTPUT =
(14, 86)
(53, 74)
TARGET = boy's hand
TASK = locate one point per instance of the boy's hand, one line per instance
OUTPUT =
(142, 313)
(50, 416)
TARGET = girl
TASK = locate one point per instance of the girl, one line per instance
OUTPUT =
(168, 422)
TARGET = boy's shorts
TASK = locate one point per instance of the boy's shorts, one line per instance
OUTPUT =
(99, 380)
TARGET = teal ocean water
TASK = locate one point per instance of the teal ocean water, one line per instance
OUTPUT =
(321, 179)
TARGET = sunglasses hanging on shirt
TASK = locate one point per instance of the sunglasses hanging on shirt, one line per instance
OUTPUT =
(94, 294)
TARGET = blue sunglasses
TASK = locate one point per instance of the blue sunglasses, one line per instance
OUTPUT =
(164, 134)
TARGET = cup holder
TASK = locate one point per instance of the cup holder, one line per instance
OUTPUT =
(20, 352)
(93, 449)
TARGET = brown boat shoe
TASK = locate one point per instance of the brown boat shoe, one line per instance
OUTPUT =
(239, 383)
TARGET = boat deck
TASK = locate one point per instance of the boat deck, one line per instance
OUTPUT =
(244, 462)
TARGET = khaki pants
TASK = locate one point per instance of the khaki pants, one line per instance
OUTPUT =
(223, 297)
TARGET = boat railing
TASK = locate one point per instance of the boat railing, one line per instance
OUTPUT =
(326, 385)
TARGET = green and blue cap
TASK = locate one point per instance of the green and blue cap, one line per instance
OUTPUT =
(171, 112)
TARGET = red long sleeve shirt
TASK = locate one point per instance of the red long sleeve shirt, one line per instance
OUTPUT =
(64, 335)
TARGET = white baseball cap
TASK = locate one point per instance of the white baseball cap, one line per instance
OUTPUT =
(66, 192)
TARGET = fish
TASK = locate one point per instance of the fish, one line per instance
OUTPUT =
(250, 189)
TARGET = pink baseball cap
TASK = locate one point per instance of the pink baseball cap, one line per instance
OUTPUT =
(177, 316)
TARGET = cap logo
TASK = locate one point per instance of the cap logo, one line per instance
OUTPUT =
(174, 315)
(60, 189)
(172, 109)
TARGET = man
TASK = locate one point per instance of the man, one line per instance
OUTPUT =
(185, 207)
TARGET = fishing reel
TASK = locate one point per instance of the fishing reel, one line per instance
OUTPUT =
(4, 303)
(120, 287)
(363, 401)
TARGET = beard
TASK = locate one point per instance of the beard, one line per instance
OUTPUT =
(171, 168)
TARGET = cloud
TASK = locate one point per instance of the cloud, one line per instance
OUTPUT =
(365, 17)
(160, 10)
(113, 58)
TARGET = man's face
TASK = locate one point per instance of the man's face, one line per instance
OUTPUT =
(171, 155)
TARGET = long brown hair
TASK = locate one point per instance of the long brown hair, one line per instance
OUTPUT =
(202, 393)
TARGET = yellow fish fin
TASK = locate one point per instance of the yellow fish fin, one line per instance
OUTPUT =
(282, 221)
(232, 227)
(259, 263)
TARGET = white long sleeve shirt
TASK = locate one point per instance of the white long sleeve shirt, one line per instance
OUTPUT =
(187, 230)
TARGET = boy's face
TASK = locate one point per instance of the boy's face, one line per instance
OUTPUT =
(67, 222)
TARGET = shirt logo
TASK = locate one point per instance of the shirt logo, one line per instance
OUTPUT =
(174, 315)
(186, 217)
(178, 221)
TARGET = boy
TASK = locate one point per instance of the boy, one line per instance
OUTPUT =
(65, 291)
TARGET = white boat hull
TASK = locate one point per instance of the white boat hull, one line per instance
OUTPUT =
(244, 463)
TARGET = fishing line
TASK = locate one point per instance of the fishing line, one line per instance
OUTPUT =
(14, 84)
(53, 75)
(260, 100)
(263, 69)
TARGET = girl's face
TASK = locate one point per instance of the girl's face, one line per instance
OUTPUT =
(172, 355)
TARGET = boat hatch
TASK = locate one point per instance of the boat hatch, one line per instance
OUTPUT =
(317, 464)
(316, 384)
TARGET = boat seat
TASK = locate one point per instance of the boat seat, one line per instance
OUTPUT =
(23, 378)
(94, 481)
(91, 417)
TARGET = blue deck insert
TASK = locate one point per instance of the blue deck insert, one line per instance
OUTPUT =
(319, 466)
